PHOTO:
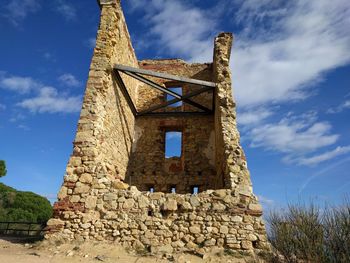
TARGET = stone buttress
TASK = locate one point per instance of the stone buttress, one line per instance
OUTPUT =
(118, 157)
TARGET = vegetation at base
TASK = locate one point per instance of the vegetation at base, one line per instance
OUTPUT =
(309, 234)
(3, 170)
(21, 206)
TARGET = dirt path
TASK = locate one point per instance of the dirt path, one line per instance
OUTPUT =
(14, 252)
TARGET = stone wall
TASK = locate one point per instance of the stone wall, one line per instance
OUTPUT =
(168, 222)
(113, 148)
(105, 132)
(196, 165)
(231, 163)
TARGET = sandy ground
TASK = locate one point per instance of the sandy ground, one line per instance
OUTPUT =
(13, 251)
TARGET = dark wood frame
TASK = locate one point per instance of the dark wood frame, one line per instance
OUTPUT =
(137, 73)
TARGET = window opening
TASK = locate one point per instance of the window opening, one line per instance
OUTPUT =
(173, 144)
(151, 189)
(173, 189)
(195, 189)
(177, 90)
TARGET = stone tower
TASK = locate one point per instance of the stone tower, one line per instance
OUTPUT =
(119, 184)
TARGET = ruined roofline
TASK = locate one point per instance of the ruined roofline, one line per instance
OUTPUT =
(107, 2)
(172, 61)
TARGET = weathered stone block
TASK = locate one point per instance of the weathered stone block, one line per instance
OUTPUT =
(90, 202)
(195, 229)
(170, 205)
(86, 178)
(110, 197)
(120, 185)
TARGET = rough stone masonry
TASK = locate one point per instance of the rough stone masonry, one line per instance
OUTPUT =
(118, 158)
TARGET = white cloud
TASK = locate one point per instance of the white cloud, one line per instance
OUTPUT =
(266, 201)
(180, 28)
(293, 135)
(17, 10)
(21, 85)
(67, 10)
(344, 106)
(69, 80)
(91, 42)
(49, 56)
(253, 116)
(280, 63)
(284, 48)
(17, 117)
(340, 150)
(49, 101)
(23, 127)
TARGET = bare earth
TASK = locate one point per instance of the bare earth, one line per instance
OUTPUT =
(14, 252)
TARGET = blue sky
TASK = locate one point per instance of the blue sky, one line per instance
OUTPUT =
(291, 80)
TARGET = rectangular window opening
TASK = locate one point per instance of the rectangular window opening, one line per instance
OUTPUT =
(173, 189)
(177, 90)
(195, 189)
(173, 144)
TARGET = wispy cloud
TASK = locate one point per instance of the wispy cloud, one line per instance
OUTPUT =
(180, 28)
(50, 101)
(283, 49)
(69, 80)
(344, 106)
(2, 106)
(304, 39)
(324, 171)
(340, 150)
(17, 117)
(91, 42)
(66, 10)
(294, 134)
(49, 56)
(46, 100)
(21, 85)
(266, 201)
(23, 127)
(17, 10)
(253, 116)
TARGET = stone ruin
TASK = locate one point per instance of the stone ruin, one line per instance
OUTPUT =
(120, 186)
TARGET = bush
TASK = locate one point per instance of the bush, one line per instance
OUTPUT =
(337, 233)
(304, 233)
(23, 206)
(3, 170)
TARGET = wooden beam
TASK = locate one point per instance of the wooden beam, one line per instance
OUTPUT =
(126, 93)
(175, 114)
(156, 86)
(152, 84)
(164, 75)
(165, 104)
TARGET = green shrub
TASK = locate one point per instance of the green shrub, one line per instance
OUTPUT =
(3, 170)
(23, 206)
(304, 233)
